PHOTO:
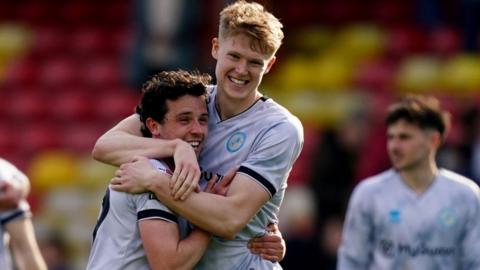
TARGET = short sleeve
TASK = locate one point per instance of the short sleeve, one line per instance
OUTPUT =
(148, 206)
(273, 155)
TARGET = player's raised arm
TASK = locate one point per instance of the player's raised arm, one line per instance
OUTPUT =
(123, 141)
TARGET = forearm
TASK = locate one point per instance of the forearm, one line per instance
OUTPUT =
(216, 214)
(190, 250)
(117, 147)
(164, 248)
(29, 259)
(25, 248)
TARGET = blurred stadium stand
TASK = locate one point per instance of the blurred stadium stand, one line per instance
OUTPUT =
(69, 71)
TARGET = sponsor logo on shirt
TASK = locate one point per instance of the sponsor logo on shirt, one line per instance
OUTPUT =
(394, 216)
(236, 141)
(391, 249)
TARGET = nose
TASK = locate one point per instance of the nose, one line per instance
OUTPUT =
(197, 128)
(392, 144)
(241, 67)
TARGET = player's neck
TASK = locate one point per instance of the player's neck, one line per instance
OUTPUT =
(420, 178)
(228, 107)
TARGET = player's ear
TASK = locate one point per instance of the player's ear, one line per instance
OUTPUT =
(435, 139)
(153, 126)
(270, 64)
(215, 46)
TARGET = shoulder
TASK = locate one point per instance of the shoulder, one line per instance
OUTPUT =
(280, 118)
(7, 167)
(9, 172)
(460, 183)
(374, 184)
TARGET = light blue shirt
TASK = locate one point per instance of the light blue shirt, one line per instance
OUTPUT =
(264, 141)
(389, 226)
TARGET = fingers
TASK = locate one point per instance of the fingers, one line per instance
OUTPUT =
(269, 247)
(115, 181)
(181, 184)
(272, 258)
(175, 176)
(228, 178)
(268, 237)
(118, 184)
(186, 182)
(264, 242)
(271, 254)
(192, 187)
(210, 186)
(273, 228)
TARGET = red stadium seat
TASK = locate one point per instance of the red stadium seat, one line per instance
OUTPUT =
(49, 40)
(445, 41)
(342, 12)
(388, 13)
(22, 73)
(34, 12)
(72, 107)
(404, 40)
(38, 137)
(89, 40)
(79, 12)
(117, 13)
(113, 107)
(375, 75)
(80, 138)
(103, 72)
(27, 107)
(8, 138)
(59, 72)
(300, 173)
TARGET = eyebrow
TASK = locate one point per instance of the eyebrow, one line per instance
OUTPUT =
(255, 59)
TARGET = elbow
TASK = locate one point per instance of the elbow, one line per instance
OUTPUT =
(96, 152)
(231, 228)
(228, 235)
(99, 151)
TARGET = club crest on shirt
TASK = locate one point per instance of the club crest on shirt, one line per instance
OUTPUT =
(394, 216)
(236, 141)
(447, 217)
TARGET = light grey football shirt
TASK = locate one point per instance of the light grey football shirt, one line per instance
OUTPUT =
(8, 172)
(264, 141)
(117, 242)
(389, 226)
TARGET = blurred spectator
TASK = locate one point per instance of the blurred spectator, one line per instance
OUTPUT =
(335, 164)
(54, 250)
(166, 35)
(471, 145)
(15, 222)
(470, 24)
(334, 171)
(434, 14)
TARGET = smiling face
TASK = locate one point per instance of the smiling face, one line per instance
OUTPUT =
(186, 119)
(240, 68)
(409, 146)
